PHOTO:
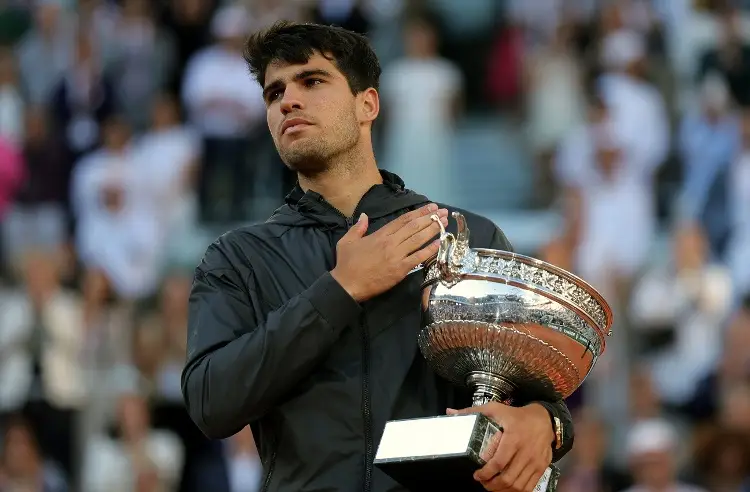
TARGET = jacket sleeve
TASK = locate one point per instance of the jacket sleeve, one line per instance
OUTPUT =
(239, 366)
(555, 408)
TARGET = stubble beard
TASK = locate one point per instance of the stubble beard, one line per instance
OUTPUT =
(317, 155)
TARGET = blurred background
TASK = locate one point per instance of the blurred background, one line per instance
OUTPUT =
(611, 138)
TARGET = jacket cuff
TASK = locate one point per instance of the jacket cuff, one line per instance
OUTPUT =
(333, 303)
(554, 410)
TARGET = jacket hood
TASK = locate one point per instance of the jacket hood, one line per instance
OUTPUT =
(310, 208)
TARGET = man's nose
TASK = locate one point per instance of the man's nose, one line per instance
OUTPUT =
(290, 101)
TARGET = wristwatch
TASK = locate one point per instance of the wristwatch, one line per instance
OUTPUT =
(559, 434)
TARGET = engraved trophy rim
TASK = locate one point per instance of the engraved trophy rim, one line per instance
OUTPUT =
(602, 331)
(584, 318)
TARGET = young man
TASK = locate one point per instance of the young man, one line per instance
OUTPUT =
(305, 327)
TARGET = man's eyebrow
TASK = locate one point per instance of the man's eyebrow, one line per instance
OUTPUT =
(278, 83)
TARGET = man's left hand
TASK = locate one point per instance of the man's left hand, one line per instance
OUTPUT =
(519, 455)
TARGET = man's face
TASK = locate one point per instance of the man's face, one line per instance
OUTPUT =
(312, 114)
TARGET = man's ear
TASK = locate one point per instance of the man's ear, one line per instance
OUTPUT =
(369, 105)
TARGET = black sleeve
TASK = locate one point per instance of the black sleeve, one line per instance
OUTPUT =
(560, 410)
(500, 241)
(555, 408)
(239, 366)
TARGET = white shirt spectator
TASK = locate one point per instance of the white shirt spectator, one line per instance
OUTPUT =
(63, 381)
(221, 97)
(619, 216)
(420, 126)
(167, 157)
(125, 242)
(110, 465)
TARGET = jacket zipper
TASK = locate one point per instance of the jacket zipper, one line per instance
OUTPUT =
(272, 465)
(366, 404)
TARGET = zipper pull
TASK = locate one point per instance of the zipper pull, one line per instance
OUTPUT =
(349, 222)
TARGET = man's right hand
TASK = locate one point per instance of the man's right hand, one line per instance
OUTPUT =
(367, 266)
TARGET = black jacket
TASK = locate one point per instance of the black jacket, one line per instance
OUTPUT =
(275, 342)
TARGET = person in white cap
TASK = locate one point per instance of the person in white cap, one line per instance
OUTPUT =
(651, 448)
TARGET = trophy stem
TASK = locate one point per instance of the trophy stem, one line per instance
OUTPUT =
(489, 387)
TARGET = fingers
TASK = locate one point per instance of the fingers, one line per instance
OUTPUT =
(422, 255)
(530, 478)
(427, 232)
(489, 450)
(422, 212)
(466, 411)
(398, 223)
(419, 224)
(502, 467)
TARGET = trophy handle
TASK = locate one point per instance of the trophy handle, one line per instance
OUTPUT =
(453, 249)
(461, 248)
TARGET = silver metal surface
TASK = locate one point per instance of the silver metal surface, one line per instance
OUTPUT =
(507, 325)
(510, 327)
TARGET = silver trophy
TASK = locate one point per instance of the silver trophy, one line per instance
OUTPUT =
(511, 328)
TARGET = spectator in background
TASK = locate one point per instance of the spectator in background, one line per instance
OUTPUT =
(189, 23)
(723, 462)
(611, 165)
(41, 375)
(731, 58)
(734, 412)
(708, 144)
(422, 96)
(159, 355)
(348, 14)
(168, 156)
(738, 175)
(45, 53)
(227, 112)
(11, 104)
(83, 98)
(733, 369)
(101, 19)
(555, 103)
(138, 458)
(37, 220)
(586, 469)
(142, 61)
(119, 236)
(22, 467)
(263, 13)
(644, 400)
(652, 448)
(679, 311)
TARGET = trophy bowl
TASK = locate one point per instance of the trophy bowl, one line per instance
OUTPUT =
(511, 328)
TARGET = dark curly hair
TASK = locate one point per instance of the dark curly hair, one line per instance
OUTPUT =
(295, 43)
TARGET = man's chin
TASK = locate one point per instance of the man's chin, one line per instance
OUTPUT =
(310, 163)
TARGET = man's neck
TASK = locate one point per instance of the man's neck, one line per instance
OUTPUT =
(344, 185)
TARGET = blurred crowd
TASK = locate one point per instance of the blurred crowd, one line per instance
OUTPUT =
(131, 134)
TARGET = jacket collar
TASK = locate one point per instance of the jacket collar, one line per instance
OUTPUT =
(309, 208)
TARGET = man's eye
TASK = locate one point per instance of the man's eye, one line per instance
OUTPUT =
(272, 96)
(312, 82)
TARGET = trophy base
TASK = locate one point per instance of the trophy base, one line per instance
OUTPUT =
(441, 453)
